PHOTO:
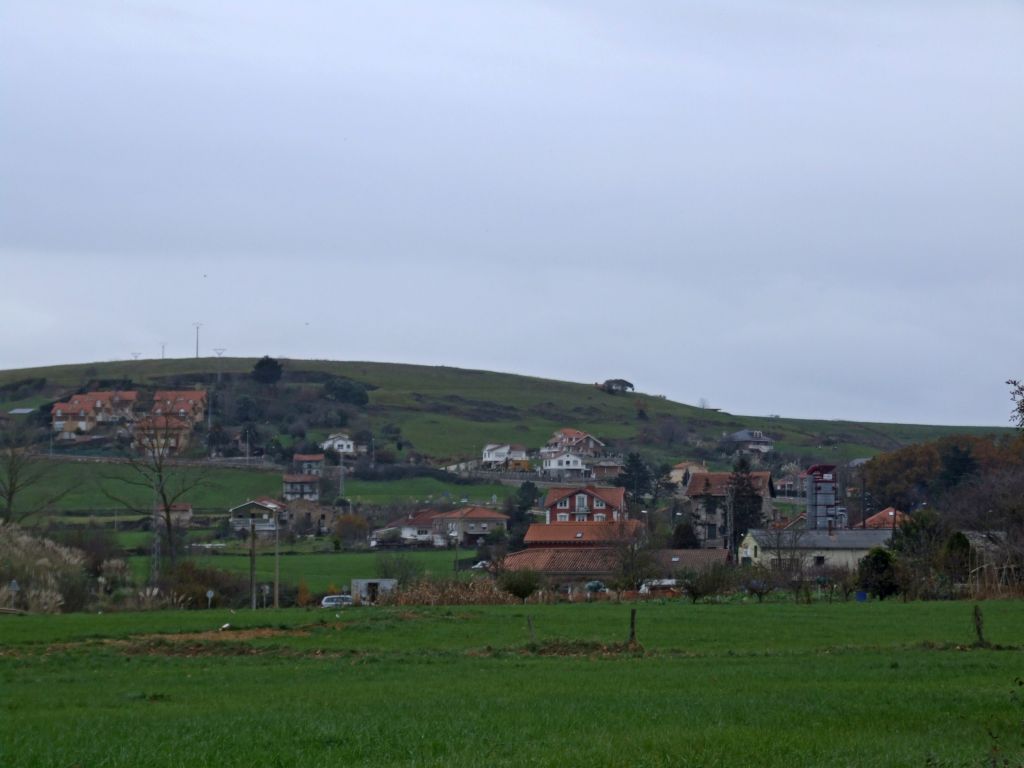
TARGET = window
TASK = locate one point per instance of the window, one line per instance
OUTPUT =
(581, 501)
(563, 503)
(819, 561)
(563, 517)
(483, 526)
(581, 518)
(472, 526)
(599, 517)
(755, 550)
(711, 530)
(598, 504)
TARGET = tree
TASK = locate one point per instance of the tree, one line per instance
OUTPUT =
(267, 370)
(520, 584)
(745, 500)
(351, 529)
(155, 476)
(342, 390)
(685, 537)
(877, 573)
(22, 471)
(636, 477)
(1017, 396)
(635, 561)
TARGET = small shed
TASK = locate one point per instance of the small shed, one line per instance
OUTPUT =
(368, 590)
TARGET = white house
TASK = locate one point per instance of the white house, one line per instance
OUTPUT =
(341, 443)
(564, 465)
(499, 454)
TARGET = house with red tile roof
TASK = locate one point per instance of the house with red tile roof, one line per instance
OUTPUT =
(706, 498)
(571, 440)
(414, 528)
(309, 463)
(467, 524)
(161, 435)
(566, 564)
(188, 404)
(591, 503)
(84, 412)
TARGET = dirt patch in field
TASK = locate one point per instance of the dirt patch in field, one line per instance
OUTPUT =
(583, 648)
(227, 635)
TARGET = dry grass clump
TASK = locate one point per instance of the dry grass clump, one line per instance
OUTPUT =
(448, 592)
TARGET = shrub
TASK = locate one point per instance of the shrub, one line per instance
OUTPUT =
(877, 573)
(51, 577)
(715, 580)
(520, 584)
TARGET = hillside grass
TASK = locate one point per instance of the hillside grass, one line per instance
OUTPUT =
(877, 684)
(450, 413)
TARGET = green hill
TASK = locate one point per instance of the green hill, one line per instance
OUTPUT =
(447, 413)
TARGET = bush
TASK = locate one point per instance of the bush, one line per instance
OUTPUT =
(715, 580)
(51, 577)
(520, 584)
(392, 565)
(877, 573)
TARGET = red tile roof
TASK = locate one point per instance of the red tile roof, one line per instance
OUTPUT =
(301, 479)
(613, 497)
(415, 520)
(565, 561)
(717, 483)
(472, 513)
(677, 560)
(308, 457)
(890, 517)
(587, 534)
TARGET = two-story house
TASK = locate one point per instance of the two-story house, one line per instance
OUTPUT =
(341, 443)
(501, 455)
(749, 441)
(571, 440)
(309, 463)
(590, 504)
(707, 498)
(467, 525)
(564, 465)
(300, 486)
(156, 435)
(188, 404)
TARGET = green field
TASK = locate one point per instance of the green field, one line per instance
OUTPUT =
(319, 571)
(877, 684)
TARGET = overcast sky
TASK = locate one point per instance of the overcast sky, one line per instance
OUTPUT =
(805, 208)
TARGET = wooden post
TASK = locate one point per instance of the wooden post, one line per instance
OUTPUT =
(632, 626)
(252, 561)
(529, 623)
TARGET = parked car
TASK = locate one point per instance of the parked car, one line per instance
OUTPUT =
(596, 586)
(336, 601)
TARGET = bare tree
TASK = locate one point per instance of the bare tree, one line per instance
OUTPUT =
(1017, 396)
(21, 471)
(153, 468)
(788, 558)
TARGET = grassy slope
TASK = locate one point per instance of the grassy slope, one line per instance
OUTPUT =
(736, 685)
(452, 412)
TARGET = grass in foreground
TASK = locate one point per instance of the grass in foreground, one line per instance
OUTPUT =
(775, 685)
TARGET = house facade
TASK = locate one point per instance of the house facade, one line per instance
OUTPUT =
(810, 548)
(161, 435)
(188, 404)
(341, 443)
(749, 441)
(575, 441)
(564, 465)
(263, 515)
(299, 486)
(593, 503)
(415, 528)
(707, 498)
(499, 455)
(466, 525)
(309, 463)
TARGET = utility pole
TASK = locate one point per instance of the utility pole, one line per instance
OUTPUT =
(198, 326)
(163, 348)
(277, 560)
(252, 560)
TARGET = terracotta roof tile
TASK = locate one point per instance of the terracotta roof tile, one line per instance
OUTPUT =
(564, 561)
(586, 534)
(473, 513)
